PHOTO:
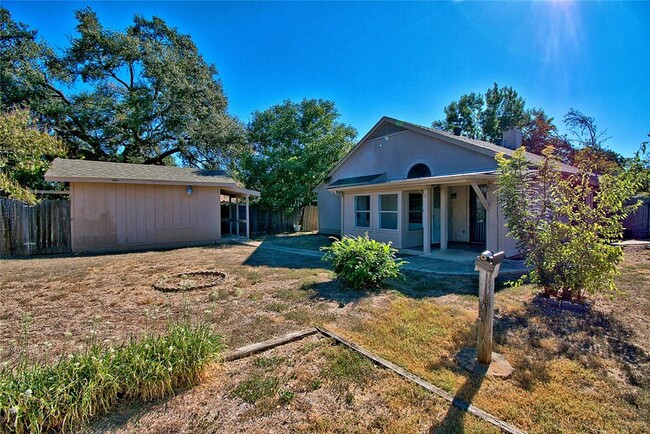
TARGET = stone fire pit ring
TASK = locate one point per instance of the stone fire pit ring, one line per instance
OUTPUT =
(183, 282)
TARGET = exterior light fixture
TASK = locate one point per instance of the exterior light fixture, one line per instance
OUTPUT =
(188, 190)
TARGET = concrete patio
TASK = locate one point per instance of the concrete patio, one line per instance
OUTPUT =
(456, 261)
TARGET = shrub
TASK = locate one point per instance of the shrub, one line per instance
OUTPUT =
(564, 223)
(43, 398)
(361, 262)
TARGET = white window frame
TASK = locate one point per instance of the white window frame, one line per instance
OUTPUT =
(369, 211)
(379, 211)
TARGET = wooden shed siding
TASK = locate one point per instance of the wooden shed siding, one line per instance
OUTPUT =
(121, 216)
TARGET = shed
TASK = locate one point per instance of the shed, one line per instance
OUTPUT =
(121, 206)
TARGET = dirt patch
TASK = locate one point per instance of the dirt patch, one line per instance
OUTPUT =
(56, 305)
(190, 281)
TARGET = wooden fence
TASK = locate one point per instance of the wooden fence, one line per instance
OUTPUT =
(273, 222)
(45, 228)
(637, 225)
(34, 230)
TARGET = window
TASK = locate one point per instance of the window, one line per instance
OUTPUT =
(362, 211)
(419, 171)
(415, 211)
(388, 211)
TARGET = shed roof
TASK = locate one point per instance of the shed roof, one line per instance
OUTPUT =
(69, 170)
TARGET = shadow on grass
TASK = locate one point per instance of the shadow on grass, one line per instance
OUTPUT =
(547, 333)
(263, 257)
(454, 420)
(125, 412)
(457, 416)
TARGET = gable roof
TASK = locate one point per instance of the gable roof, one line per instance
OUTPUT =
(481, 146)
(69, 170)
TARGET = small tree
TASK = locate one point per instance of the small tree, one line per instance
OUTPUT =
(565, 223)
(25, 155)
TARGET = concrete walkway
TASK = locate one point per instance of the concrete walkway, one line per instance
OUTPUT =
(449, 262)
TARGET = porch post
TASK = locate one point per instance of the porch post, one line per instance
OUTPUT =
(426, 220)
(444, 216)
(230, 214)
(248, 218)
(237, 215)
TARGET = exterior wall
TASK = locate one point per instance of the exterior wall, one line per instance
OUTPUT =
(374, 232)
(129, 216)
(329, 212)
(395, 154)
(496, 236)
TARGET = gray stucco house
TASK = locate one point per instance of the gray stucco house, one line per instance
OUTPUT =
(418, 187)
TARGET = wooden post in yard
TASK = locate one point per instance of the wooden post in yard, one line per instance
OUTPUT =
(487, 264)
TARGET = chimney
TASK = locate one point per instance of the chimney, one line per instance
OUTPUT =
(512, 139)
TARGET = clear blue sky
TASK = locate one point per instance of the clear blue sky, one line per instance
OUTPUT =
(408, 60)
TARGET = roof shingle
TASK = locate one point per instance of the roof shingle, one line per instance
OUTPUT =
(100, 171)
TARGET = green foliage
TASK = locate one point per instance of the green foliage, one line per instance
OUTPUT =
(25, 155)
(362, 262)
(142, 94)
(257, 387)
(564, 223)
(344, 366)
(294, 147)
(44, 398)
(464, 114)
(486, 118)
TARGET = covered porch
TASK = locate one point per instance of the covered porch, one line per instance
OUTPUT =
(235, 212)
(428, 216)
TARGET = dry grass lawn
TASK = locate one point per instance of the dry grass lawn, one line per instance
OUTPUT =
(573, 372)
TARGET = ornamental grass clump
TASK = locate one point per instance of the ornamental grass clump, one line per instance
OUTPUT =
(363, 263)
(37, 398)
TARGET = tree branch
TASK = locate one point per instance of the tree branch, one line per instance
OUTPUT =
(159, 158)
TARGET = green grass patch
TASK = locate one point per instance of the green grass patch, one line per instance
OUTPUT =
(344, 367)
(268, 362)
(38, 397)
(257, 387)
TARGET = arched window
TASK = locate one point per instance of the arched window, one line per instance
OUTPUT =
(419, 171)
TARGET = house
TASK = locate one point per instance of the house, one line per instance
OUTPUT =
(120, 206)
(419, 187)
